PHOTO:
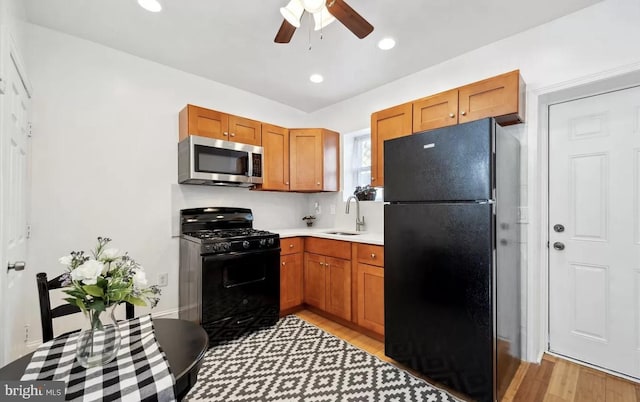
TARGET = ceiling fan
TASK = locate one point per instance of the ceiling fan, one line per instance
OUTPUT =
(324, 12)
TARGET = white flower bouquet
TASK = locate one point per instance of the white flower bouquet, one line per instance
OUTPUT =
(105, 278)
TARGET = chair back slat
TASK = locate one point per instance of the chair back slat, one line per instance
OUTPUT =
(47, 314)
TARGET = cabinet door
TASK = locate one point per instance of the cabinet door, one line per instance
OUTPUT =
(371, 297)
(290, 281)
(246, 131)
(305, 160)
(439, 110)
(387, 124)
(314, 280)
(195, 120)
(338, 282)
(275, 141)
(498, 97)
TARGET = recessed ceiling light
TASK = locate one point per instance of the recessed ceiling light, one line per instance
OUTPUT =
(150, 5)
(316, 78)
(386, 44)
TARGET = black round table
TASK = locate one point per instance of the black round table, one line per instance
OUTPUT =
(183, 342)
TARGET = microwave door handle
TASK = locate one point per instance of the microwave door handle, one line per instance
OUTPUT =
(250, 165)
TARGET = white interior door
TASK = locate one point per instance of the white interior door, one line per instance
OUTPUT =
(14, 142)
(594, 184)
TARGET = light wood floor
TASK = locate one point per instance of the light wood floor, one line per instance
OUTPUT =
(554, 380)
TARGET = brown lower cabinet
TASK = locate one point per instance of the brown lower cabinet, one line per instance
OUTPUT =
(371, 297)
(370, 287)
(341, 278)
(327, 284)
(291, 273)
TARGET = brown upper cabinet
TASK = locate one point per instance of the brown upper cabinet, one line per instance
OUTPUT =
(501, 97)
(314, 160)
(195, 120)
(385, 125)
(275, 141)
(439, 110)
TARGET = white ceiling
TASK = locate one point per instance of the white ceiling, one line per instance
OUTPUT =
(232, 41)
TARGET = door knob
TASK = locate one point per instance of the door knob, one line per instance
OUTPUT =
(18, 266)
(558, 228)
(558, 245)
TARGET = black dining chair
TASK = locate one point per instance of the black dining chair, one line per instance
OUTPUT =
(47, 314)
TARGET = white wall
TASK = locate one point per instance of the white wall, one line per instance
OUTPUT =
(105, 156)
(593, 40)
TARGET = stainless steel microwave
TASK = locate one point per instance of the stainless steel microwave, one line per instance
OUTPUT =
(203, 160)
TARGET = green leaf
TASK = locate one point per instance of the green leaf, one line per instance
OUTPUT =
(136, 301)
(93, 290)
(96, 305)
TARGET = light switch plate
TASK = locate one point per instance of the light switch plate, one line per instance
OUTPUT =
(523, 215)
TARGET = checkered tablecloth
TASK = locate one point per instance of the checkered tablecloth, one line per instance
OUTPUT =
(140, 371)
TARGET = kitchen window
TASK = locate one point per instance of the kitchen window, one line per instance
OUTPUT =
(357, 162)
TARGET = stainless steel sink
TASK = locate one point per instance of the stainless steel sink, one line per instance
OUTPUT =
(343, 233)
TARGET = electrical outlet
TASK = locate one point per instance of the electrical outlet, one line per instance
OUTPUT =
(332, 209)
(163, 279)
(26, 333)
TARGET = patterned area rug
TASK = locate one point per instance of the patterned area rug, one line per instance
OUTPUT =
(296, 361)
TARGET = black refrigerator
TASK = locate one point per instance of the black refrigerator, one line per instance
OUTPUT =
(452, 259)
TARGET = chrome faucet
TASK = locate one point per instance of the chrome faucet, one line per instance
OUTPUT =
(359, 222)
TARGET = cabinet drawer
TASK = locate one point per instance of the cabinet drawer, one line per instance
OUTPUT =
(371, 254)
(332, 248)
(290, 245)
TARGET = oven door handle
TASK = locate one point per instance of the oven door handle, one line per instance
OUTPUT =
(235, 254)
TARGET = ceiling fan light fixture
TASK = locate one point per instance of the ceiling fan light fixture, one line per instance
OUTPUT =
(292, 12)
(322, 18)
(316, 78)
(150, 5)
(386, 43)
(314, 6)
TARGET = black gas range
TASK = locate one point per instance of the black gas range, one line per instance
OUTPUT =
(229, 272)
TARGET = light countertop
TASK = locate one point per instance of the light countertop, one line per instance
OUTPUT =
(363, 237)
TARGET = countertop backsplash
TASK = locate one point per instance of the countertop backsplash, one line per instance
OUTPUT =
(332, 212)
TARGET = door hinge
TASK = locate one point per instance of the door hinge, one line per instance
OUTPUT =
(28, 231)
(3, 86)
(26, 333)
(29, 129)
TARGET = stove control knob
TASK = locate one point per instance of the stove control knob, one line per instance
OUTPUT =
(207, 247)
(245, 244)
(271, 242)
(226, 246)
(263, 242)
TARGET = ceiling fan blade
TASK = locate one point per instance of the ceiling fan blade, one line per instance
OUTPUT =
(349, 18)
(285, 33)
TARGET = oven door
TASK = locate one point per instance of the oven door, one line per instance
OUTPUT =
(240, 292)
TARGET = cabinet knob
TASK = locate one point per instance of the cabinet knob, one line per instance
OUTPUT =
(225, 133)
(322, 264)
(318, 183)
(373, 256)
(286, 182)
(452, 115)
(373, 179)
(290, 245)
(463, 113)
(233, 134)
(284, 263)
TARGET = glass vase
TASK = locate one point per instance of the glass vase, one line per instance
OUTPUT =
(99, 341)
